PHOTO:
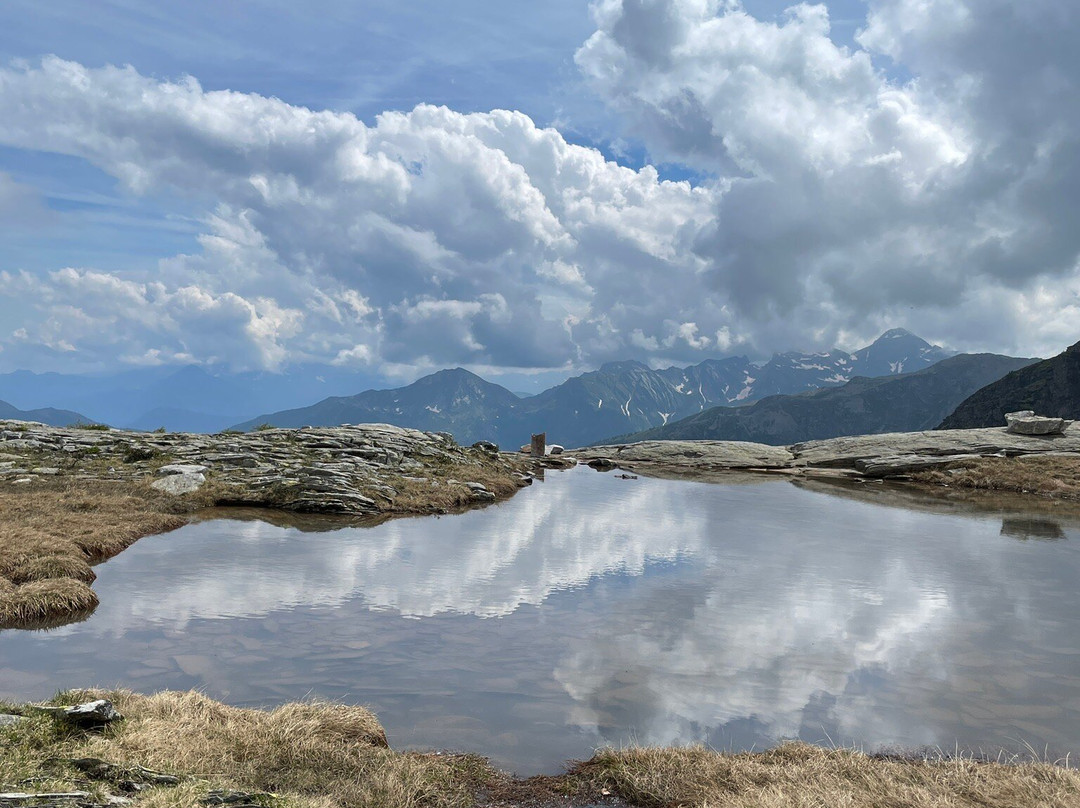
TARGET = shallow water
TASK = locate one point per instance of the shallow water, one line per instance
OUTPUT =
(591, 610)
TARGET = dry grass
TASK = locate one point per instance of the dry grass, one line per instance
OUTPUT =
(1050, 477)
(51, 533)
(801, 776)
(445, 489)
(319, 755)
(311, 754)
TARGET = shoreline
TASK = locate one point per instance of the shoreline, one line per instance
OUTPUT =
(74, 497)
(180, 749)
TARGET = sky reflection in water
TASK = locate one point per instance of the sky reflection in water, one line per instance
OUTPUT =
(591, 610)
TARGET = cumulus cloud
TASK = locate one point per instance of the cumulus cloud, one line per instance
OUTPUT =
(429, 237)
(923, 176)
(846, 197)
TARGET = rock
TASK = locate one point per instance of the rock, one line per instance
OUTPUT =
(705, 455)
(480, 492)
(602, 463)
(235, 799)
(177, 484)
(89, 715)
(555, 449)
(881, 467)
(180, 468)
(844, 452)
(7, 720)
(1027, 422)
(49, 471)
(486, 446)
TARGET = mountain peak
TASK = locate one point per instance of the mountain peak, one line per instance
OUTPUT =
(897, 333)
(625, 366)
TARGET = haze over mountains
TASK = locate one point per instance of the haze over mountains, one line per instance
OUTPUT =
(620, 397)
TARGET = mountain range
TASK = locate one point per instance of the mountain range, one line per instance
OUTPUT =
(906, 403)
(181, 399)
(1050, 387)
(618, 398)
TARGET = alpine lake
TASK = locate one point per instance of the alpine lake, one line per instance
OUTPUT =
(592, 610)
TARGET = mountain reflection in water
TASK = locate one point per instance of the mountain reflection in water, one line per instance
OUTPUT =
(591, 610)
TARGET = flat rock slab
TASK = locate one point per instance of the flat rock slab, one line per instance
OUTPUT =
(845, 452)
(693, 454)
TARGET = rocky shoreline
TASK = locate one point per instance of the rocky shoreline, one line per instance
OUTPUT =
(356, 470)
(888, 456)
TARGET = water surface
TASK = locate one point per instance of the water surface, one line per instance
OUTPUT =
(591, 610)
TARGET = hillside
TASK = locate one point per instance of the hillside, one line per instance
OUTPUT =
(454, 401)
(863, 406)
(1050, 387)
(44, 415)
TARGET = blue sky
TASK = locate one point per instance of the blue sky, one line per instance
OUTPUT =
(844, 168)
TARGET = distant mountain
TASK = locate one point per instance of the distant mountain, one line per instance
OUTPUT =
(455, 401)
(619, 397)
(187, 398)
(864, 406)
(1050, 387)
(45, 415)
(177, 419)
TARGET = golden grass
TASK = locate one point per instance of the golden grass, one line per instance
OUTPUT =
(318, 755)
(450, 492)
(311, 754)
(1039, 475)
(798, 775)
(52, 532)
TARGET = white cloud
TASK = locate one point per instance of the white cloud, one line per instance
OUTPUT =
(848, 199)
(926, 171)
(430, 236)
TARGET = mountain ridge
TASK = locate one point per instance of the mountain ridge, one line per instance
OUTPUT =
(620, 396)
(1050, 387)
(864, 406)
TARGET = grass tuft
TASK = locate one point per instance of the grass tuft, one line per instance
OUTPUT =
(797, 775)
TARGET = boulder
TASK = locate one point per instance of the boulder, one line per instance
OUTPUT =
(88, 715)
(1027, 422)
(177, 484)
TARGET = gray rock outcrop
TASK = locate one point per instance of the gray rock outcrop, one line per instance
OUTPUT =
(347, 469)
(875, 456)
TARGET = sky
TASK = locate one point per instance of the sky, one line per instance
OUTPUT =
(532, 189)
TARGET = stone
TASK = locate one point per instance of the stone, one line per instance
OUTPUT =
(177, 484)
(881, 467)
(703, 455)
(555, 449)
(486, 446)
(7, 720)
(845, 452)
(480, 492)
(48, 471)
(88, 715)
(1027, 422)
(180, 468)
